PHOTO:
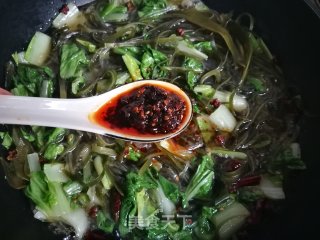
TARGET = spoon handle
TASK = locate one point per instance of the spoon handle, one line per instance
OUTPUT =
(51, 112)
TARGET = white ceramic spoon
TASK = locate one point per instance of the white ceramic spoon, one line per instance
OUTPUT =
(77, 113)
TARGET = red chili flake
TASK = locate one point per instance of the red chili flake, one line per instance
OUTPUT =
(180, 31)
(93, 211)
(64, 9)
(215, 102)
(188, 221)
(12, 155)
(220, 140)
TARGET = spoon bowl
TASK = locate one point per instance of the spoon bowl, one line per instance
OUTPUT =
(78, 113)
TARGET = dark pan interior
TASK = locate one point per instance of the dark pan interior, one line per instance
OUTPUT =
(290, 28)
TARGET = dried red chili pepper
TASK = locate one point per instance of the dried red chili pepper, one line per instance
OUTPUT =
(248, 181)
(219, 140)
(215, 102)
(180, 31)
(93, 211)
(115, 204)
(12, 155)
(64, 9)
(231, 165)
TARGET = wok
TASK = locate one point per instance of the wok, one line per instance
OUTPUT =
(290, 28)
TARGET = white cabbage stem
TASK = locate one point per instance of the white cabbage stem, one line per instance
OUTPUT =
(183, 48)
(38, 49)
(270, 189)
(239, 102)
(223, 119)
(33, 162)
(72, 19)
(55, 172)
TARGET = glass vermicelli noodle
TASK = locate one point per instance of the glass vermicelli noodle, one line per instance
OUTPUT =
(208, 182)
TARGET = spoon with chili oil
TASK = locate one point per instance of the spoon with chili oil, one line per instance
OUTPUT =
(146, 111)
